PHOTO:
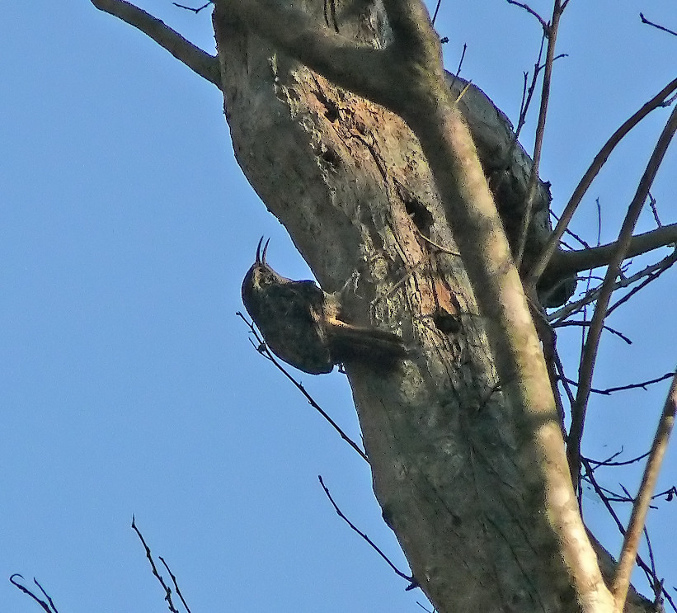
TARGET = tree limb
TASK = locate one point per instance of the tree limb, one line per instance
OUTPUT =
(641, 506)
(199, 61)
(567, 262)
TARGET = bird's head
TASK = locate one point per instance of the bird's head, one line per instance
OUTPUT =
(260, 275)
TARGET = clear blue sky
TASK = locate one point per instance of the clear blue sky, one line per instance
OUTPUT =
(127, 384)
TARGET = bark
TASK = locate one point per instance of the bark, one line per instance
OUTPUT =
(350, 182)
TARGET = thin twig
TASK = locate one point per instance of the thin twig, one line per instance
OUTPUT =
(654, 210)
(460, 62)
(585, 324)
(199, 61)
(656, 584)
(653, 271)
(655, 25)
(156, 574)
(176, 585)
(667, 263)
(600, 159)
(49, 608)
(190, 8)
(412, 581)
(631, 386)
(262, 348)
(610, 462)
(526, 99)
(589, 357)
(437, 8)
(552, 29)
(531, 11)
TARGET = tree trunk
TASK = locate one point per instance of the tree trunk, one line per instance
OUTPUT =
(348, 180)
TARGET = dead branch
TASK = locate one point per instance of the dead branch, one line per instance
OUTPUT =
(664, 265)
(641, 506)
(600, 159)
(594, 333)
(199, 61)
(585, 324)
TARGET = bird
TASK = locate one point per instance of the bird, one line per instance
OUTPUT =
(302, 325)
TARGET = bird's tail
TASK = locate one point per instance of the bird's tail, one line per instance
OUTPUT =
(360, 343)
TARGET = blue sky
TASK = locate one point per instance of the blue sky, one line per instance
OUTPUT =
(127, 384)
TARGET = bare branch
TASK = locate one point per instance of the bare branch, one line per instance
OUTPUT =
(568, 262)
(585, 324)
(641, 506)
(46, 606)
(176, 585)
(156, 574)
(590, 477)
(527, 94)
(600, 159)
(651, 272)
(610, 462)
(662, 266)
(531, 11)
(412, 581)
(630, 386)
(655, 25)
(551, 32)
(592, 340)
(199, 61)
(190, 8)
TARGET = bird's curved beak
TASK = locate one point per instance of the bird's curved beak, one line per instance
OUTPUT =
(258, 251)
(261, 257)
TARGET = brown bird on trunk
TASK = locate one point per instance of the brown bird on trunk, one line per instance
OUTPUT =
(301, 323)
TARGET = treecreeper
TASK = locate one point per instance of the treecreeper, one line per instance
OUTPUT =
(303, 325)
